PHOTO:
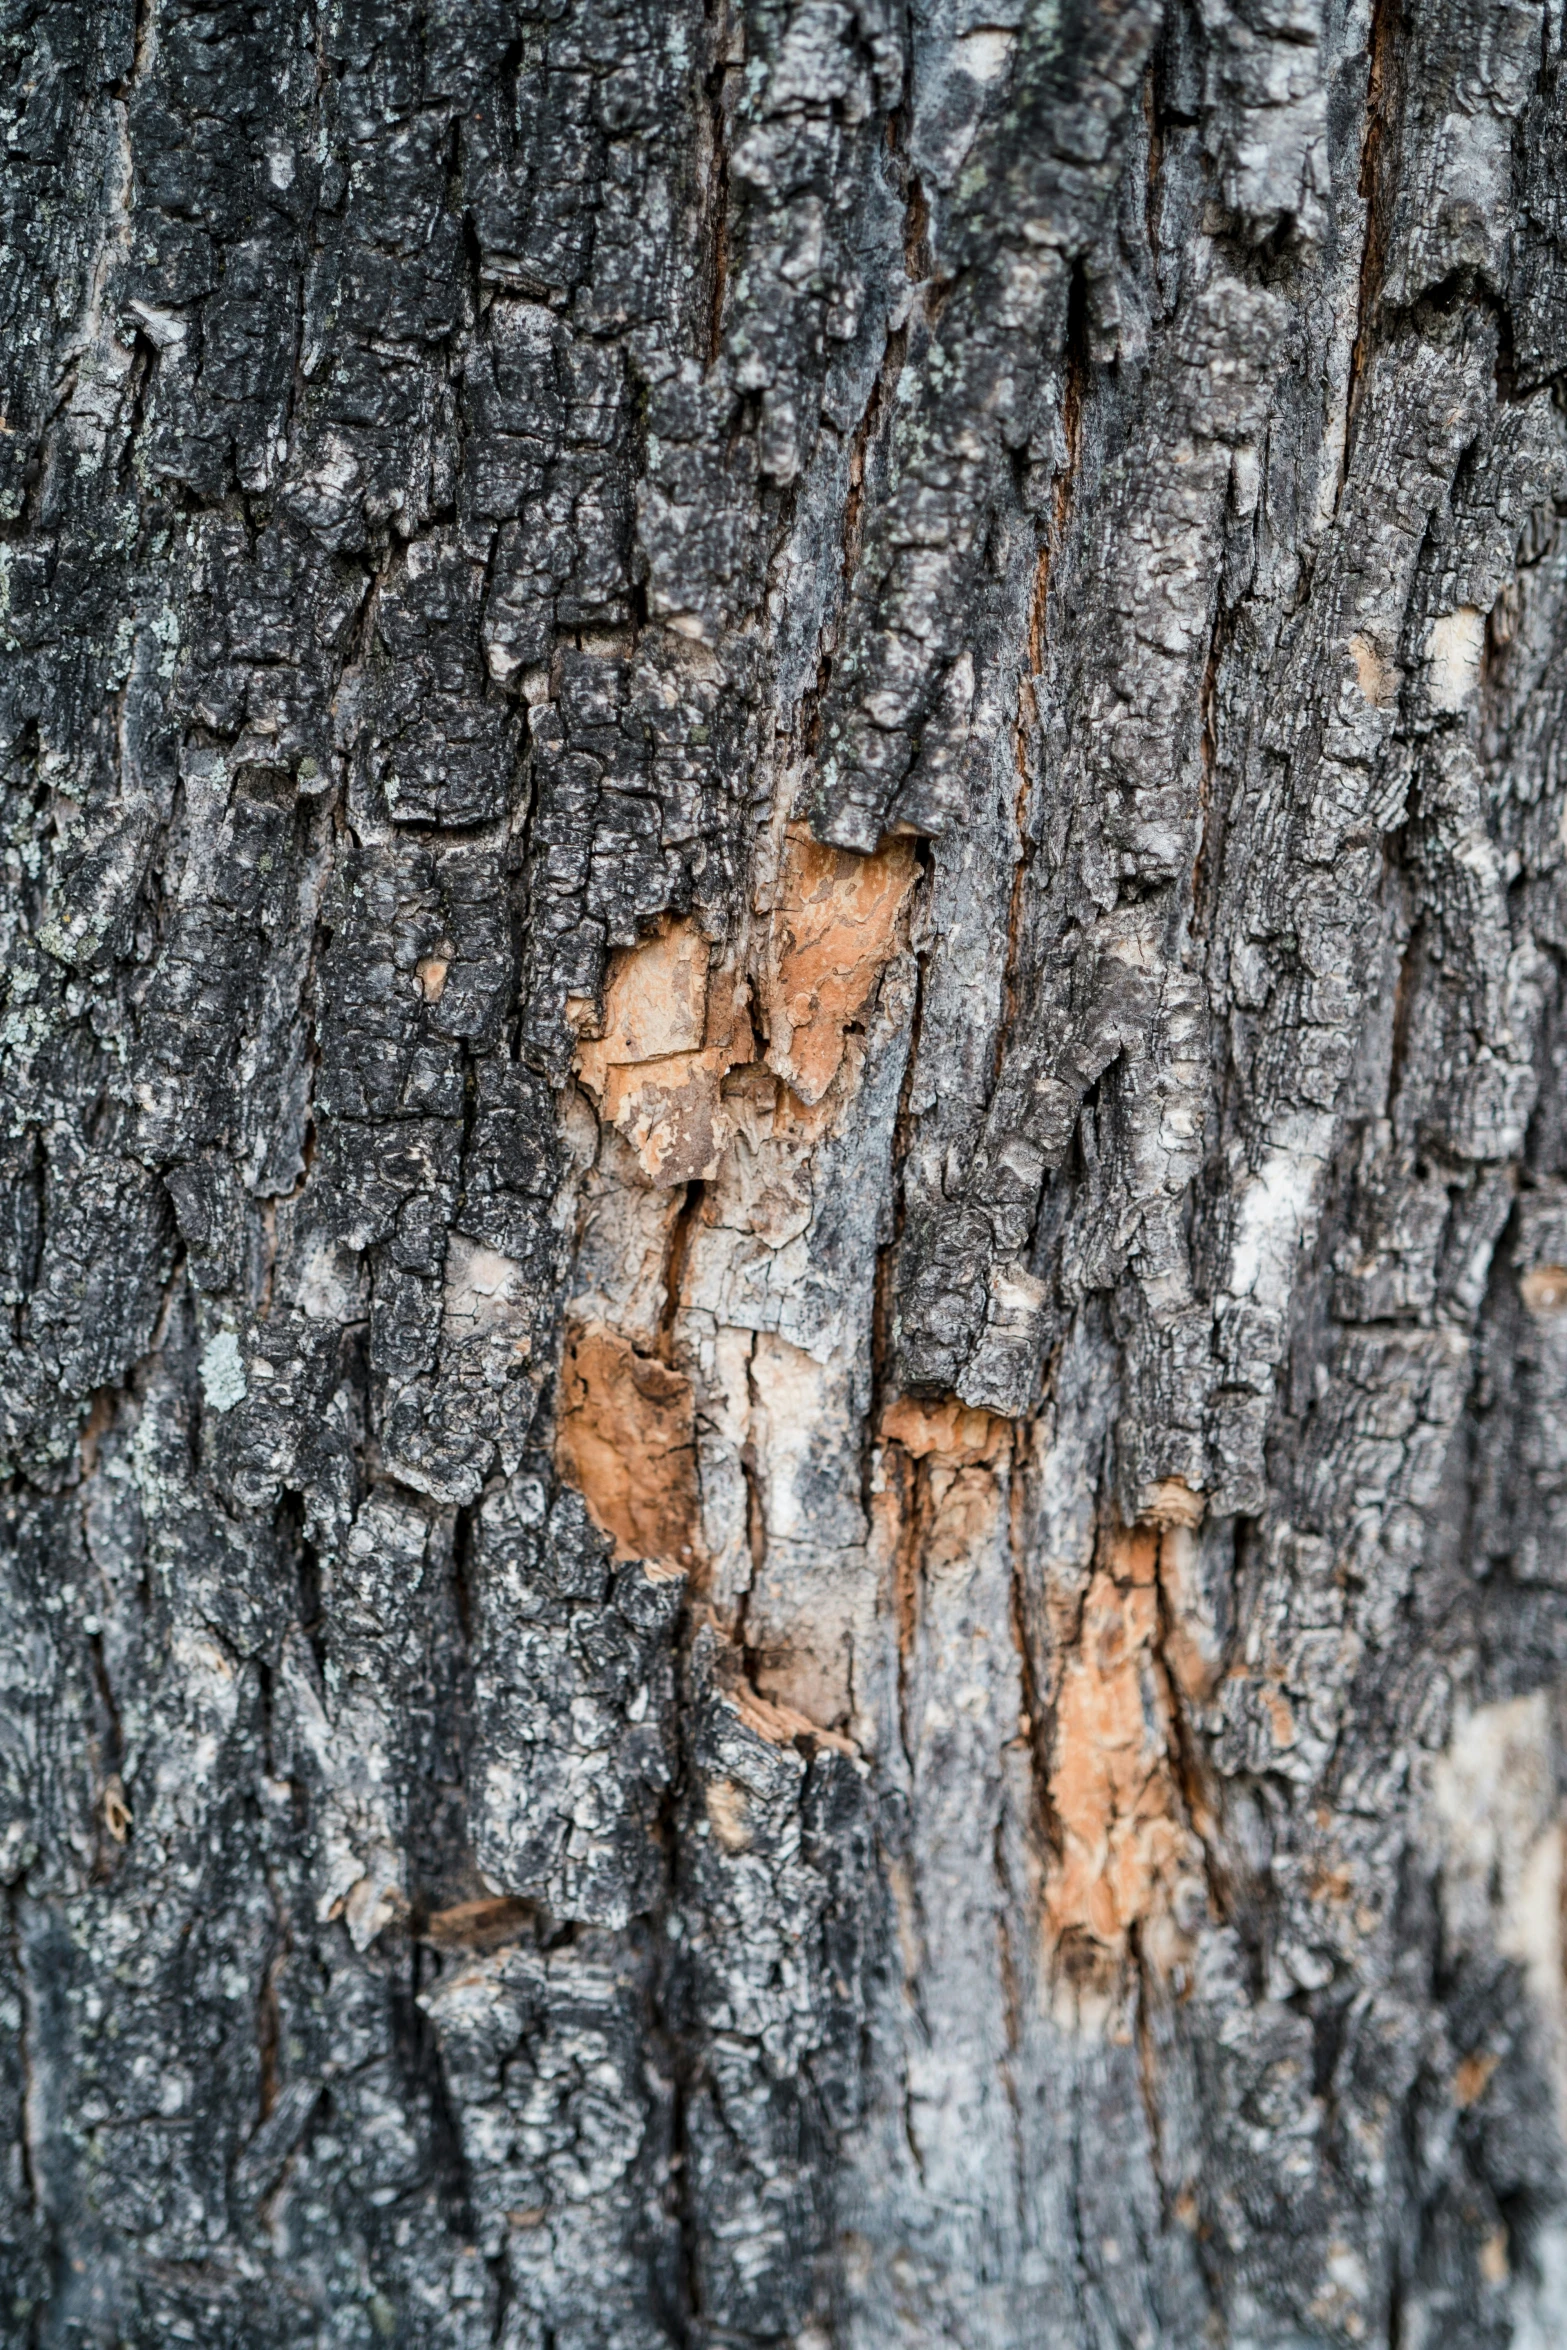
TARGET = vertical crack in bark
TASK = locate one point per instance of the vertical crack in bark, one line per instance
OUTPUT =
(143, 33)
(1406, 993)
(1210, 826)
(911, 1486)
(114, 1818)
(688, 2313)
(910, 2135)
(884, 1304)
(1375, 191)
(1023, 735)
(424, 2064)
(677, 2058)
(1036, 1725)
(718, 176)
(463, 1533)
(1153, 123)
(28, 2145)
(1012, 2011)
(1076, 381)
(307, 1576)
(269, 2014)
(1148, 2069)
(873, 420)
(681, 1232)
(1185, 1751)
(755, 1516)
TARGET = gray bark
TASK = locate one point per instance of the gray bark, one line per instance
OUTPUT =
(785, 1173)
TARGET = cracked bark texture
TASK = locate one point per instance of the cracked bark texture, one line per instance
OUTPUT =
(785, 1173)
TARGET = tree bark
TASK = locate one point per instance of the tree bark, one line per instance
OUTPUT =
(785, 1171)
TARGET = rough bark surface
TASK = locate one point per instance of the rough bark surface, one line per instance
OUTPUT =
(785, 1174)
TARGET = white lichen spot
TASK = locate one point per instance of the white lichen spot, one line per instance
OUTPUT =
(223, 1373)
(986, 54)
(1454, 644)
(1501, 1826)
(1245, 480)
(484, 1291)
(325, 1292)
(1274, 1206)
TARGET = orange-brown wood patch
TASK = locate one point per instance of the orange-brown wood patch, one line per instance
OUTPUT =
(833, 933)
(1124, 1839)
(626, 1440)
(671, 1033)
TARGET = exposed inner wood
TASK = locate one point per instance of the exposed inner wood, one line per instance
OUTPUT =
(626, 1442)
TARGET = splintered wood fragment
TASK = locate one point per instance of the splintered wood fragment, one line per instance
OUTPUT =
(956, 1433)
(781, 1725)
(117, 1815)
(479, 1925)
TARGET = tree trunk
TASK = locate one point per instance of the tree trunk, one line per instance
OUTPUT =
(785, 1161)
